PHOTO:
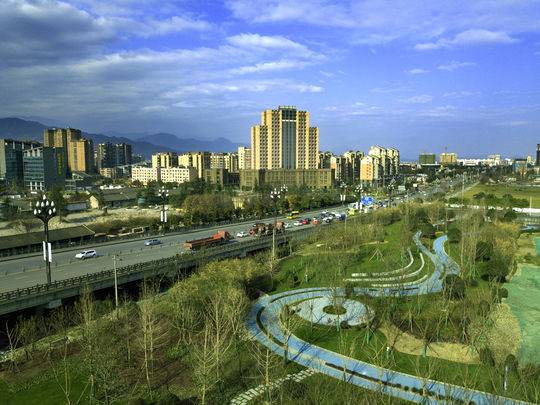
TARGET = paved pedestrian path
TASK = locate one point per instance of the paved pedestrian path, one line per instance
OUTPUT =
(251, 394)
(264, 324)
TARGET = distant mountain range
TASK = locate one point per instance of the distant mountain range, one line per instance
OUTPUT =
(17, 128)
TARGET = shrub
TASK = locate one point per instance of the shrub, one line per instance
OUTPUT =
(293, 281)
(454, 235)
(453, 287)
(486, 357)
(512, 363)
(428, 230)
(344, 325)
(349, 289)
(168, 398)
(295, 390)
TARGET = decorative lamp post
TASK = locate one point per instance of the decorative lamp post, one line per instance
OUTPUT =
(275, 195)
(164, 194)
(358, 191)
(343, 195)
(44, 209)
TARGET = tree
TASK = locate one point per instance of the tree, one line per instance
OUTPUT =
(57, 195)
(454, 235)
(453, 287)
(509, 216)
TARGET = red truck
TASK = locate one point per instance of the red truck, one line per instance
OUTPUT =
(219, 238)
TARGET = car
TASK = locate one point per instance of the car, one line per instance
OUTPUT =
(242, 234)
(286, 225)
(298, 223)
(86, 254)
(152, 242)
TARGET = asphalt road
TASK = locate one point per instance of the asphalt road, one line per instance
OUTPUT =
(28, 271)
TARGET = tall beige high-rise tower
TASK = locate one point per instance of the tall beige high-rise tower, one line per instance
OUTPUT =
(284, 140)
(79, 152)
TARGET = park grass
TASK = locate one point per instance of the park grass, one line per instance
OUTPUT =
(44, 389)
(516, 190)
(353, 343)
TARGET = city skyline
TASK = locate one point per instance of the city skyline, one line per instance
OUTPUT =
(460, 75)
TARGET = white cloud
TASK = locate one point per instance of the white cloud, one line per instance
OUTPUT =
(454, 65)
(439, 112)
(269, 66)
(266, 42)
(173, 24)
(154, 108)
(468, 38)
(460, 94)
(416, 71)
(421, 99)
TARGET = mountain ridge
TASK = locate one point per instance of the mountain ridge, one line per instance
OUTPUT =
(21, 129)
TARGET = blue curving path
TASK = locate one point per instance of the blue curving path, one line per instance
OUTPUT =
(265, 325)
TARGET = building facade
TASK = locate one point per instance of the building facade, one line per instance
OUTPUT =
(145, 175)
(11, 159)
(177, 174)
(78, 150)
(227, 161)
(110, 155)
(284, 140)
(370, 169)
(427, 159)
(164, 159)
(310, 178)
(199, 160)
(448, 158)
(44, 168)
(244, 158)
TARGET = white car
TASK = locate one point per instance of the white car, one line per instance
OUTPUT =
(87, 254)
(286, 225)
(297, 223)
(242, 234)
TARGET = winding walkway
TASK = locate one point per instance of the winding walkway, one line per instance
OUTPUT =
(265, 325)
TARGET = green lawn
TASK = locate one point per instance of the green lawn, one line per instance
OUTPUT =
(352, 343)
(517, 191)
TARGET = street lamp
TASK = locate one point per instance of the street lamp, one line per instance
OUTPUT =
(343, 195)
(358, 191)
(275, 195)
(164, 194)
(44, 209)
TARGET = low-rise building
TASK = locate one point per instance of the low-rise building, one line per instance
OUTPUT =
(122, 197)
(177, 174)
(311, 178)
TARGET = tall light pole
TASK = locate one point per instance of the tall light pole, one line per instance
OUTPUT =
(358, 191)
(164, 194)
(44, 209)
(343, 195)
(275, 195)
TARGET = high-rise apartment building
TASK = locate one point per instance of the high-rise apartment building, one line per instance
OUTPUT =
(448, 158)
(44, 168)
(352, 162)
(370, 169)
(11, 159)
(79, 151)
(284, 140)
(244, 158)
(427, 159)
(537, 163)
(199, 160)
(112, 155)
(325, 160)
(165, 159)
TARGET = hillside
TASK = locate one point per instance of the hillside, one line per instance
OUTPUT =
(17, 128)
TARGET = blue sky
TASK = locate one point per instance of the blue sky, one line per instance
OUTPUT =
(420, 76)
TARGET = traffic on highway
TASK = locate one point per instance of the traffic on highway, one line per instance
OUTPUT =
(26, 271)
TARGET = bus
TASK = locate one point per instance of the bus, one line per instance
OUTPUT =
(293, 214)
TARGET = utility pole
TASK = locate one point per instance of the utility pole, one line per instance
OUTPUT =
(115, 282)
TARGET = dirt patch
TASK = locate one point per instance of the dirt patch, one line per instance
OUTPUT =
(407, 343)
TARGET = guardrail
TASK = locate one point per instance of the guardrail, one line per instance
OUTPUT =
(43, 293)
